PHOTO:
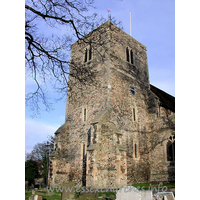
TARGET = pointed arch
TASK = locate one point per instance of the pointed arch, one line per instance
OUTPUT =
(171, 148)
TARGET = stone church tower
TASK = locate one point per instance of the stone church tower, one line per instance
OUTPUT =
(119, 129)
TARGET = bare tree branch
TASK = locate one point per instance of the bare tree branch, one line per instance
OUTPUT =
(48, 55)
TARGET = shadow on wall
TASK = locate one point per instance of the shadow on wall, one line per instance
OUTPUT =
(171, 158)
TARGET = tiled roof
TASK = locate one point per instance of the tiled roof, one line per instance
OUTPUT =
(166, 100)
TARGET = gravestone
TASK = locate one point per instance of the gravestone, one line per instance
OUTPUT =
(26, 185)
(146, 195)
(49, 193)
(128, 193)
(112, 196)
(31, 197)
(90, 192)
(165, 196)
(41, 193)
(39, 197)
(132, 193)
(35, 197)
(87, 198)
(68, 190)
(103, 195)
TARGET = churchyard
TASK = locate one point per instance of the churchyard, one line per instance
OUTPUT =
(139, 191)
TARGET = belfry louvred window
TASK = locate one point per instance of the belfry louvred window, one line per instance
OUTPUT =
(129, 56)
(88, 54)
(85, 55)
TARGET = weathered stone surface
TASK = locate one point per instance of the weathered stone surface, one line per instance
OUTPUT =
(35, 197)
(39, 197)
(165, 195)
(90, 192)
(110, 137)
(132, 193)
(147, 195)
(31, 197)
(68, 191)
(87, 198)
(40, 193)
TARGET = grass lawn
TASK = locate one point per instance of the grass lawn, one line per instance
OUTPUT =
(53, 196)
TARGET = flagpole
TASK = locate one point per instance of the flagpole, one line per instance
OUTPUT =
(108, 14)
(130, 22)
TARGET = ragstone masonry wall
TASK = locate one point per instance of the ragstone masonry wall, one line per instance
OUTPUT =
(127, 133)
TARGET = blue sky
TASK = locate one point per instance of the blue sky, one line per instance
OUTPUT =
(153, 24)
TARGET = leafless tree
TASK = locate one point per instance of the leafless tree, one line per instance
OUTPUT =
(51, 26)
(37, 154)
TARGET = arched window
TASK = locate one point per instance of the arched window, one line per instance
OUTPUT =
(118, 142)
(84, 115)
(83, 150)
(134, 114)
(84, 165)
(85, 55)
(171, 149)
(132, 57)
(90, 54)
(127, 54)
(94, 134)
(88, 137)
(136, 151)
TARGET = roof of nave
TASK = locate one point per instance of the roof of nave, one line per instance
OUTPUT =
(166, 100)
